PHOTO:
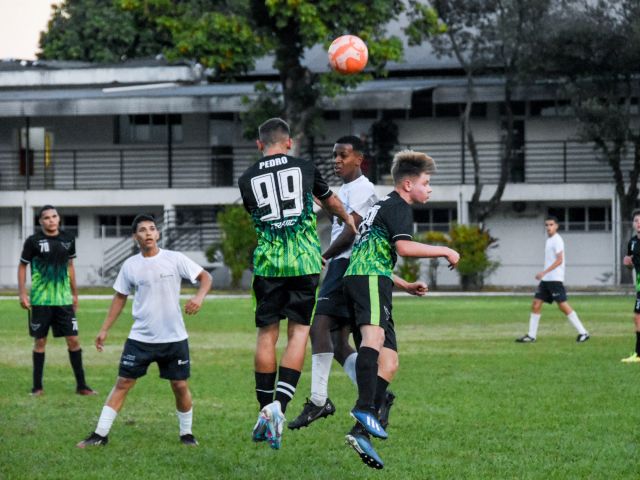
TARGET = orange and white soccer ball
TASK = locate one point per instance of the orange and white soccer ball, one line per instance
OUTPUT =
(348, 54)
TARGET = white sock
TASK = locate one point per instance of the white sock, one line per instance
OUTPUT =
(185, 419)
(534, 320)
(575, 321)
(320, 370)
(107, 417)
(350, 367)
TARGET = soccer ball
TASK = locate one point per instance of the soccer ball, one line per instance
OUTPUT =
(348, 54)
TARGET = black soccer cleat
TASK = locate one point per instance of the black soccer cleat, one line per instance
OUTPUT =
(359, 440)
(385, 408)
(189, 440)
(525, 339)
(312, 412)
(93, 440)
(583, 337)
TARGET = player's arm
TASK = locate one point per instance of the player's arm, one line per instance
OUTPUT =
(72, 283)
(414, 288)
(409, 248)
(193, 305)
(22, 289)
(117, 304)
(553, 266)
(334, 205)
(344, 240)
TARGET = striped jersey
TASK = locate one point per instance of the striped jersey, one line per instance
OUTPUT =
(278, 192)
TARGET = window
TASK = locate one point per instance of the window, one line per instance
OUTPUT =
(434, 219)
(582, 219)
(148, 128)
(68, 223)
(114, 225)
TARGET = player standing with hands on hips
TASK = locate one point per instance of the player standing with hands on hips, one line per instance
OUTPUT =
(158, 333)
(54, 298)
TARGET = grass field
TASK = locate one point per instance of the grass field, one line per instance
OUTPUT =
(471, 402)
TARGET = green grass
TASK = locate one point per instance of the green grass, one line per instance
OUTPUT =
(471, 402)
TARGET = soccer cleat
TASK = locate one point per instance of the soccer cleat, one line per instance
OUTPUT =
(385, 408)
(633, 358)
(275, 423)
(526, 339)
(358, 439)
(260, 429)
(93, 440)
(36, 392)
(370, 423)
(583, 337)
(188, 439)
(312, 412)
(86, 391)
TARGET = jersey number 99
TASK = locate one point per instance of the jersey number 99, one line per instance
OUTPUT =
(268, 192)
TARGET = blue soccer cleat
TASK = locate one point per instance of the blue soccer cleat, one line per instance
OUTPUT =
(275, 423)
(361, 444)
(370, 423)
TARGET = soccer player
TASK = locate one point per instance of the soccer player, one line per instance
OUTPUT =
(386, 232)
(158, 333)
(53, 300)
(332, 324)
(278, 192)
(551, 288)
(632, 260)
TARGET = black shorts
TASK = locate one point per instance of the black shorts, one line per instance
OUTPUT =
(550, 292)
(61, 319)
(285, 297)
(369, 300)
(636, 309)
(172, 359)
(331, 299)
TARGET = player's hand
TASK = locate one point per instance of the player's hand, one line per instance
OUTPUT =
(453, 258)
(627, 261)
(25, 302)
(418, 289)
(539, 275)
(100, 339)
(324, 262)
(192, 306)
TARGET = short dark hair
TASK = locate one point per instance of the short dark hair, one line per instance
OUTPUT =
(356, 143)
(143, 217)
(409, 163)
(44, 209)
(552, 218)
(635, 213)
(273, 131)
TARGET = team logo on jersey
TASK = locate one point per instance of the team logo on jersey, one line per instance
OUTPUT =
(44, 246)
(66, 245)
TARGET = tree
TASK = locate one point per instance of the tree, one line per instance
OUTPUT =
(99, 31)
(592, 51)
(484, 36)
(238, 242)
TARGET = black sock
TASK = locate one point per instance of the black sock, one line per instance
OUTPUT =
(265, 383)
(76, 363)
(38, 368)
(287, 382)
(366, 373)
(637, 343)
(381, 390)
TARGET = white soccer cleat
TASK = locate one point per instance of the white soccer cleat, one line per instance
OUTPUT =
(275, 424)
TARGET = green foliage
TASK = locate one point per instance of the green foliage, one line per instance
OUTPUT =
(408, 268)
(457, 352)
(238, 243)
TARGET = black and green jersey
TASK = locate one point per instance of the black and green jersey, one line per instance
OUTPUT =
(374, 253)
(49, 258)
(278, 191)
(633, 250)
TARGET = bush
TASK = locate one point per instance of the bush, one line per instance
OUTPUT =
(238, 242)
(408, 269)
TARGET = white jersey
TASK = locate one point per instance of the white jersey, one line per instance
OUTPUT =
(357, 196)
(157, 317)
(552, 248)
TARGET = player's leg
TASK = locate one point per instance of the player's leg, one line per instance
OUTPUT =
(560, 296)
(388, 364)
(39, 322)
(542, 295)
(184, 411)
(343, 352)
(635, 356)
